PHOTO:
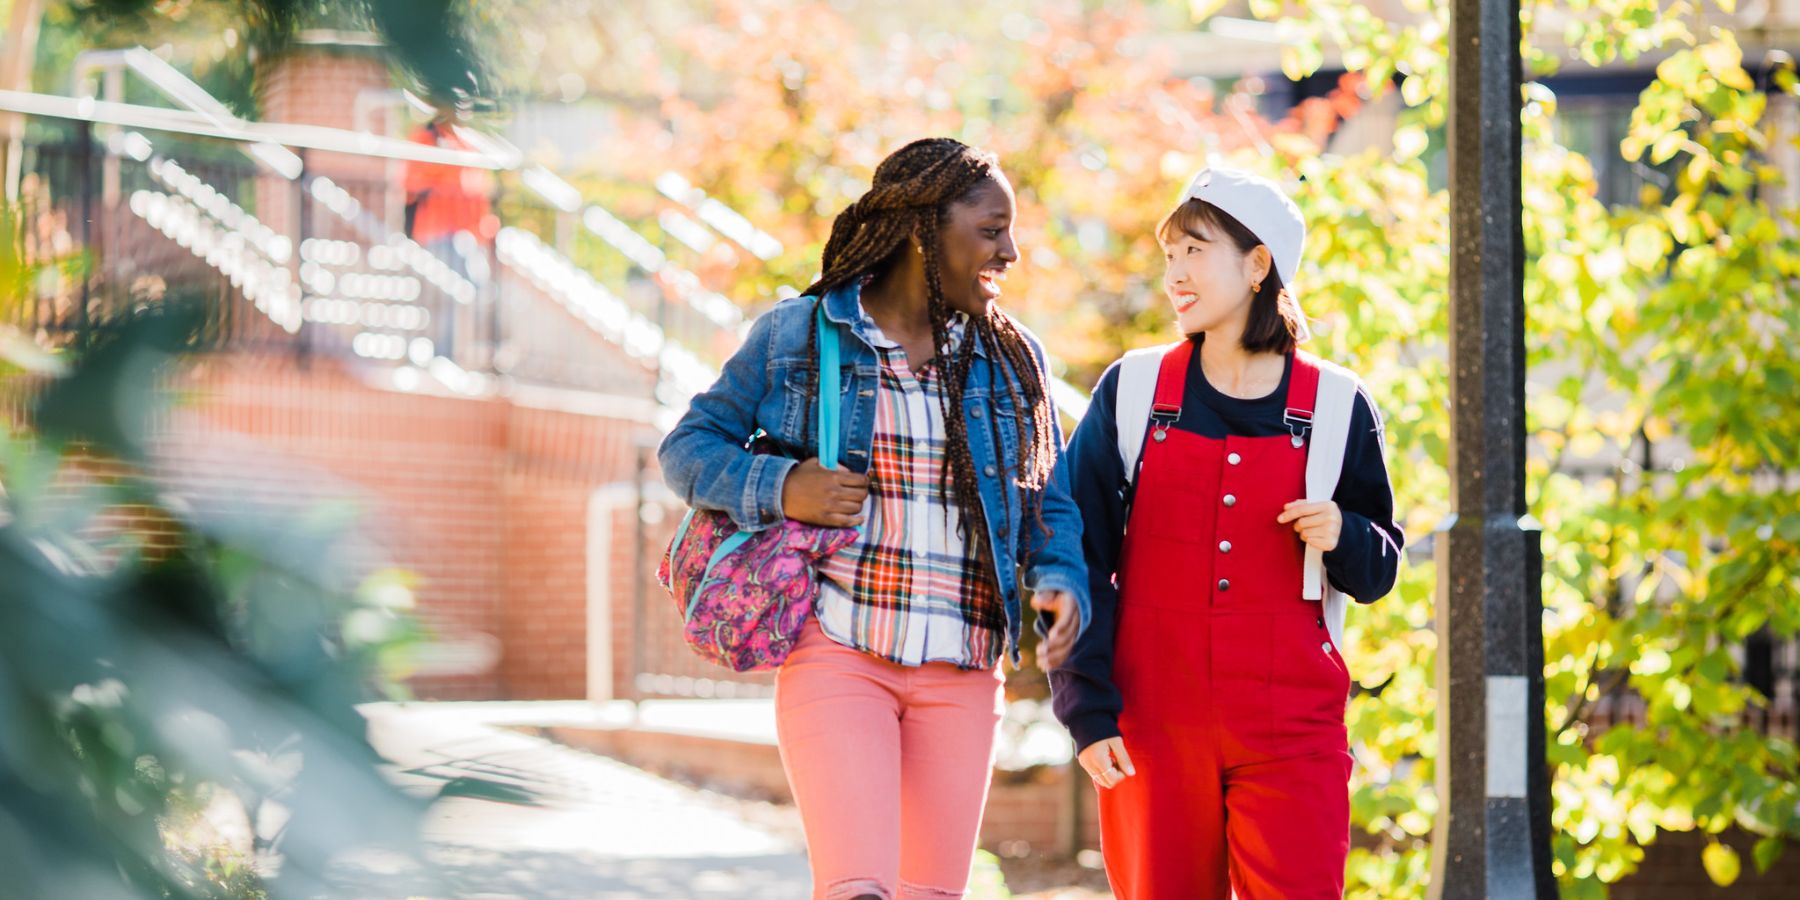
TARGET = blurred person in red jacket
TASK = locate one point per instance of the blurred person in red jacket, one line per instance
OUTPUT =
(447, 208)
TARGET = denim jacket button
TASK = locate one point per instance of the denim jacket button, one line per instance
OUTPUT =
(990, 471)
(975, 413)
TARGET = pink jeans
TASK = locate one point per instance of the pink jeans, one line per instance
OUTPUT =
(889, 765)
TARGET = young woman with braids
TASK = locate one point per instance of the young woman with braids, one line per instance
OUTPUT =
(887, 709)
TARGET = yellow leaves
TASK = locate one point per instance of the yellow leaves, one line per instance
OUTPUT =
(1559, 268)
(1666, 146)
(1678, 695)
(1605, 767)
(1699, 167)
(1708, 224)
(1680, 70)
(1724, 61)
(1200, 10)
(1265, 9)
(1658, 429)
(1415, 89)
(1722, 864)
(1632, 147)
(1409, 143)
(1299, 60)
(1294, 144)
(1646, 246)
(1640, 820)
(1414, 822)
(1680, 218)
(1587, 444)
(1652, 661)
(1607, 265)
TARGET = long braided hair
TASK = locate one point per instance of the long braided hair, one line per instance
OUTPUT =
(912, 193)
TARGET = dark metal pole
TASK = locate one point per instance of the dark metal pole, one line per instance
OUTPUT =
(1493, 826)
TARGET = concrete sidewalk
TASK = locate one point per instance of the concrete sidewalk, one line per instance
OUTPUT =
(521, 817)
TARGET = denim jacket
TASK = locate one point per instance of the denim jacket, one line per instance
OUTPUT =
(765, 387)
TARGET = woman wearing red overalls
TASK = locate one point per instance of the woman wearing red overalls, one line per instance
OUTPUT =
(1207, 696)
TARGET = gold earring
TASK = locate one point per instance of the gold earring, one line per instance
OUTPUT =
(1255, 287)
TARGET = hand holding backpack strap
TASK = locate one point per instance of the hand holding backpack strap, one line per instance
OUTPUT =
(1336, 398)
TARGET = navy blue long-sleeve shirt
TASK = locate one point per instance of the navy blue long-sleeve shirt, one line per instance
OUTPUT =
(1364, 564)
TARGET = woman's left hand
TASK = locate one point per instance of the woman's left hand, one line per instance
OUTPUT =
(1317, 522)
(1055, 647)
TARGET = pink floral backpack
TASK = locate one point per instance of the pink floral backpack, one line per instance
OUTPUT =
(745, 596)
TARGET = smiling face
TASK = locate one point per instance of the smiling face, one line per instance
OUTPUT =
(1208, 276)
(976, 246)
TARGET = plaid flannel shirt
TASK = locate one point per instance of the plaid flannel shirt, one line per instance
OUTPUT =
(911, 591)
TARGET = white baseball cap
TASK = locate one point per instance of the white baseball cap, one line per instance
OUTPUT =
(1260, 206)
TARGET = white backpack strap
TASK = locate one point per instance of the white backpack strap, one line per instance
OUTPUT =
(1131, 408)
(1336, 604)
(1325, 459)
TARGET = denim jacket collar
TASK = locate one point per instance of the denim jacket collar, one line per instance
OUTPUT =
(843, 305)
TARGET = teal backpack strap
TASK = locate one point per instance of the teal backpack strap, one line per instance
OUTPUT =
(829, 435)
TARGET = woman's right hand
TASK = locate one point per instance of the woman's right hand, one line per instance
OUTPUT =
(816, 495)
(1107, 762)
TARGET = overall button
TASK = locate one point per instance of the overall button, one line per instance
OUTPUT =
(1230, 500)
(990, 471)
(1234, 459)
(1224, 584)
(1224, 546)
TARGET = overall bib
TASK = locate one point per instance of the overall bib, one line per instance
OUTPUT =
(1234, 693)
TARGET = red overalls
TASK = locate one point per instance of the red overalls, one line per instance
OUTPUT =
(1233, 692)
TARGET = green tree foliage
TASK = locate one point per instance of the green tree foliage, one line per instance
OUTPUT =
(429, 41)
(158, 656)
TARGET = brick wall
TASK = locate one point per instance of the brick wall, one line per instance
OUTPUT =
(313, 84)
(486, 501)
(1671, 870)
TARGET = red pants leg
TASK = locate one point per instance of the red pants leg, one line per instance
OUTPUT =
(1162, 832)
(1288, 826)
(1287, 818)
